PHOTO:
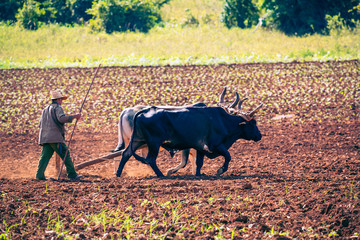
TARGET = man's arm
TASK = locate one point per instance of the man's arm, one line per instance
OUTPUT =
(65, 118)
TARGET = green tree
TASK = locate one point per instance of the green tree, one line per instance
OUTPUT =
(121, 15)
(299, 17)
(239, 13)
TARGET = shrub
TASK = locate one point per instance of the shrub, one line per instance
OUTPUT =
(34, 12)
(239, 13)
(30, 14)
(121, 15)
(335, 24)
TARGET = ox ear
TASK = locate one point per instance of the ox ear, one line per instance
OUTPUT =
(235, 102)
(222, 96)
(255, 110)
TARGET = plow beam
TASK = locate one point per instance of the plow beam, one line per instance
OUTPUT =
(110, 156)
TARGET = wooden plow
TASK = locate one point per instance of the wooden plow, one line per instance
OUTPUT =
(110, 156)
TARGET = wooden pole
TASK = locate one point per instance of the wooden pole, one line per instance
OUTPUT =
(72, 133)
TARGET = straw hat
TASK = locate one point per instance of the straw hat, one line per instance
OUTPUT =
(56, 94)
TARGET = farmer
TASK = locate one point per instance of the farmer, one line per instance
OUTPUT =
(52, 136)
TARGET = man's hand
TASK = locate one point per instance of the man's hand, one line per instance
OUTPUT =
(77, 116)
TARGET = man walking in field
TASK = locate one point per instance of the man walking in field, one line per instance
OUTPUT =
(52, 136)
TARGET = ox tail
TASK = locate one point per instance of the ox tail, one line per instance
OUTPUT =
(121, 143)
(131, 145)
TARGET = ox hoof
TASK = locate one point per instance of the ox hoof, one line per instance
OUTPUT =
(220, 171)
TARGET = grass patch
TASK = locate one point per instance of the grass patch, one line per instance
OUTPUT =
(57, 46)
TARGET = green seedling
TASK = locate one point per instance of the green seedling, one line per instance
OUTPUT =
(6, 234)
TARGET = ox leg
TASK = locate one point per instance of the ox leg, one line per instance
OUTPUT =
(125, 157)
(184, 158)
(199, 162)
(224, 152)
(151, 159)
(192, 160)
(127, 153)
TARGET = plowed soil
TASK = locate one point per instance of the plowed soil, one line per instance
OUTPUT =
(301, 181)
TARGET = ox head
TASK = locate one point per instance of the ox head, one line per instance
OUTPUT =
(247, 121)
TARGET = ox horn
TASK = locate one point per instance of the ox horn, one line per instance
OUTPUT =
(255, 110)
(235, 102)
(222, 95)
(241, 102)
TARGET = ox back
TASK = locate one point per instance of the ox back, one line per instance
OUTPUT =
(211, 131)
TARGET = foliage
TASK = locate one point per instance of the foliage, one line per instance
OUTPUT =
(79, 8)
(30, 14)
(291, 17)
(48, 11)
(59, 11)
(9, 8)
(65, 11)
(120, 15)
(335, 24)
(239, 13)
(108, 16)
(308, 17)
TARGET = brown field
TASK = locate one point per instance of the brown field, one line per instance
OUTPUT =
(301, 181)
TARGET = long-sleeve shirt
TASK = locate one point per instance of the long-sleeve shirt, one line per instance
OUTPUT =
(51, 125)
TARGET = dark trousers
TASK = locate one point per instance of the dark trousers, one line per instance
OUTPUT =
(48, 150)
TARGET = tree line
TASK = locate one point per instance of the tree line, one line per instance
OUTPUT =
(293, 17)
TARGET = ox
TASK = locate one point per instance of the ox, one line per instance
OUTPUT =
(125, 127)
(211, 131)
(126, 121)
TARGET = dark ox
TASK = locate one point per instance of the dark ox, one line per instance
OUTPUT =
(211, 131)
(125, 128)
